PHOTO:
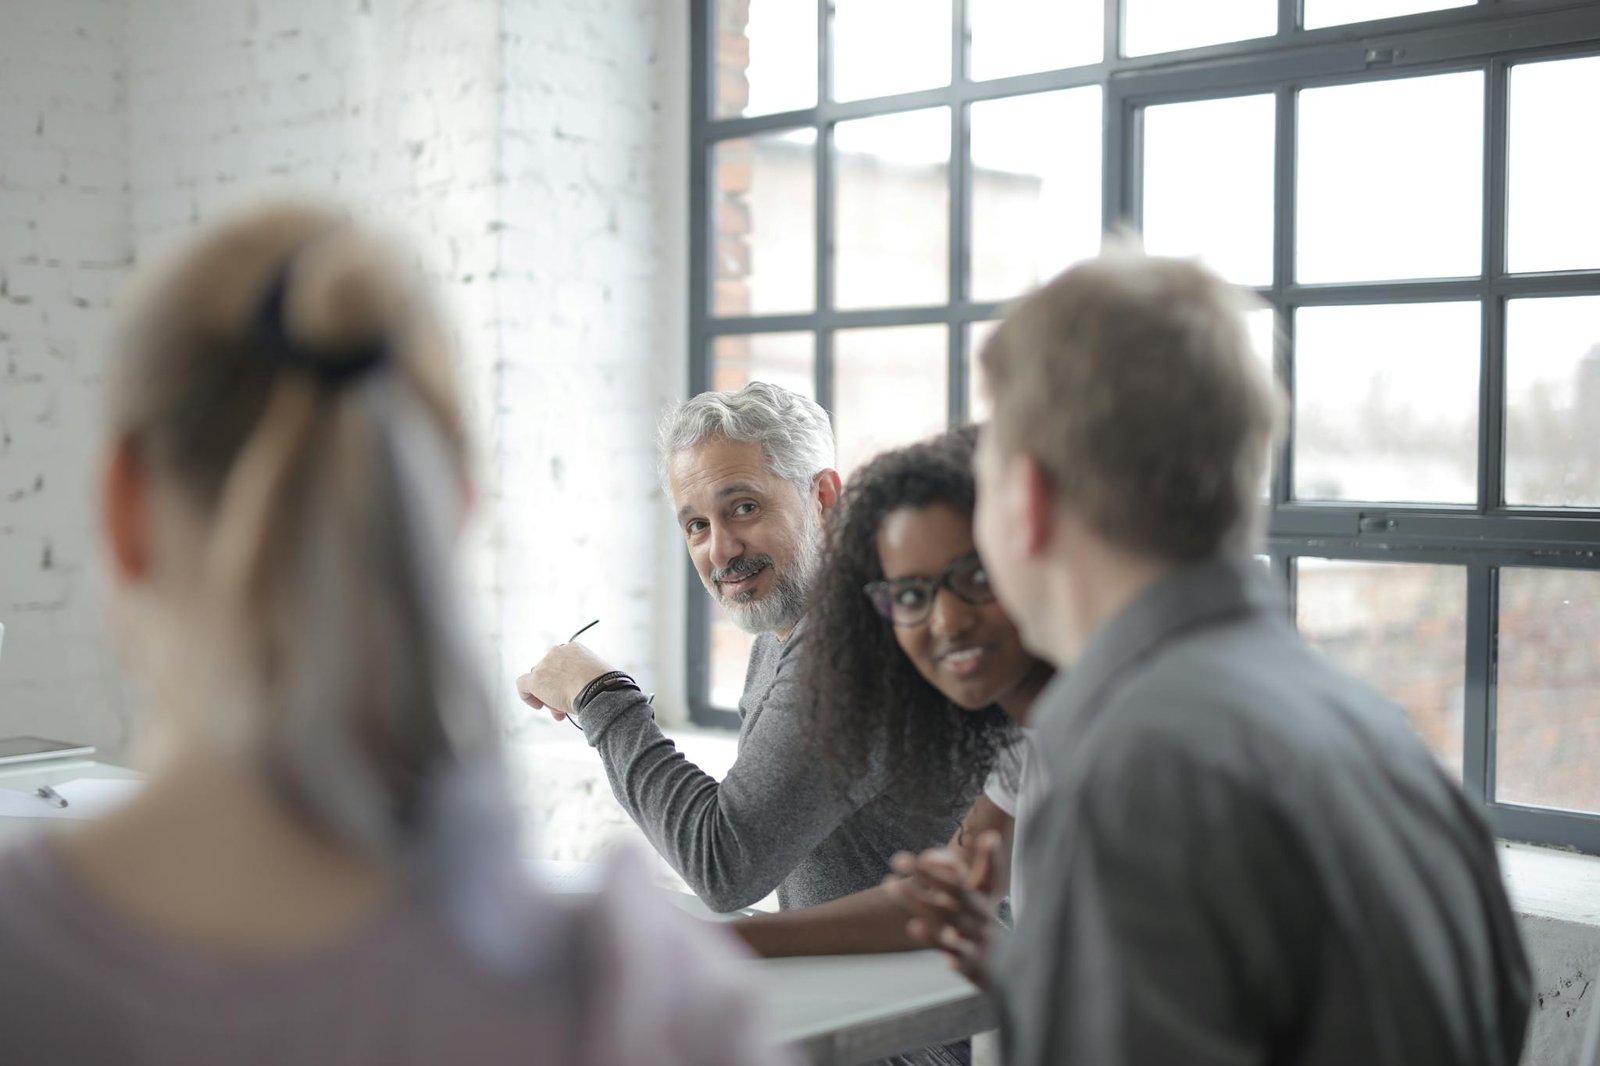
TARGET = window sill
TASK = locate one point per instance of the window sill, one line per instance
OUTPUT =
(1549, 883)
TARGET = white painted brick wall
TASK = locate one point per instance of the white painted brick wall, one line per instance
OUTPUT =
(534, 150)
(63, 249)
(388, 105)
(587, 366)
(593, 294)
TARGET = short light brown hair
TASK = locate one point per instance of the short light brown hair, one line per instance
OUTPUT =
(1131, 381)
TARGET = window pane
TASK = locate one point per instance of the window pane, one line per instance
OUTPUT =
(978, 407)
(1553, 213)
(1386, 403)
(765, 217)
(787, 359)
(1553, 401)
(1151, 26)
(1035, 198)
(766, 56)
(890, 387)
(1390, 179)
(1208, 170)
(730, 656)
(1262, 325)
(1547, 711)
(883, 47)
(892, 209)
(1022, 36)
(1401, 628)
(1321, 13)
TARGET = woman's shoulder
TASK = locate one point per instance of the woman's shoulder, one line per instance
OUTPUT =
(654, 970)
(35, 888)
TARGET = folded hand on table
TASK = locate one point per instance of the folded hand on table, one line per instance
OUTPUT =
(951, 901)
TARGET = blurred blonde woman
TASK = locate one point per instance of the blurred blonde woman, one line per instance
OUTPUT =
(322, 868)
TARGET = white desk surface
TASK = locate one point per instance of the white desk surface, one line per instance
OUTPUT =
(28, 776)
(843, 1010)
(838, 1010)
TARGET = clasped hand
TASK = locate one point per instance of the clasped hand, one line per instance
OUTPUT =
(951, 902)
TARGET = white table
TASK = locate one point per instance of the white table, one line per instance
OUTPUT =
(843, 1010)
(28, 776)
(839, 1010)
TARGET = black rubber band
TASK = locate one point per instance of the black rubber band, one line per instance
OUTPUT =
(335, 368)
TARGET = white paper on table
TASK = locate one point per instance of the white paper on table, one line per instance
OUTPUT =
(567, 878)
(87, 798)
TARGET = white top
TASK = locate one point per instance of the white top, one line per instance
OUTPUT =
(1016, 786)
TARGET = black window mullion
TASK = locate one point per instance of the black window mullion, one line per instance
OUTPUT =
(1422, 290)
(959, 175)
(1491, 414)
(1125, 202)
(1284, 566)
(1539, 826)
(1491, 677)
(697, 634)
(1285, 156)
(825, 243)
(1555, 283)
(700, 186)
(1289, 12)
(1478, 693)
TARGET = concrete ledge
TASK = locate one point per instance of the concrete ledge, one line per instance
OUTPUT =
(1557, 895)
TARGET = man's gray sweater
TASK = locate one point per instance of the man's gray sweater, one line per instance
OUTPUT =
(784, 817)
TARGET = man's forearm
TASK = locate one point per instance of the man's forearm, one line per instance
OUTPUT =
(732, 841)
(864, 923)
(673, 801)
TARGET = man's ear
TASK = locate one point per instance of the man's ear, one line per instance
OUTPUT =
(124, 512)
(1039, 517)
(825, 489)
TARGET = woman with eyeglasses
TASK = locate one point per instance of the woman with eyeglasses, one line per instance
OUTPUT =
(914, 663)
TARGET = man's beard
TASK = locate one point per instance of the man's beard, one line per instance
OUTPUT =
(785, 603)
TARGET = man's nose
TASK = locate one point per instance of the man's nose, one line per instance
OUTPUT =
(725, 546)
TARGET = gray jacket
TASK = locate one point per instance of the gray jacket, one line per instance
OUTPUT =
(1248, 857)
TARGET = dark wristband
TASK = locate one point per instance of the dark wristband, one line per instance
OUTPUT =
(608, 680)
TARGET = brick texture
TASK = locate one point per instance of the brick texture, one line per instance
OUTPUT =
(64, 246)
(520, 145)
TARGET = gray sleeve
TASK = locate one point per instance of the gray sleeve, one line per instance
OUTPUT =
(732, 841)
(1164, 943)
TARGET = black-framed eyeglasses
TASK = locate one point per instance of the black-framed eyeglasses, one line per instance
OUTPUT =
(908, 601)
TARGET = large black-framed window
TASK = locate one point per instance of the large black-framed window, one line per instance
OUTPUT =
(1412, 197)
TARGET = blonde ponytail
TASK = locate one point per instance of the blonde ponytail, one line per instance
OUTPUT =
(292, 381)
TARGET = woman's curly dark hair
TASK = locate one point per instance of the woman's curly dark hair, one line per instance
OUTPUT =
(871, 703)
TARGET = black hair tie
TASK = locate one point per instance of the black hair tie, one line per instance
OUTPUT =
(332, 368)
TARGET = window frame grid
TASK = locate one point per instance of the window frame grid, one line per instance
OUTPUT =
(1490, 36)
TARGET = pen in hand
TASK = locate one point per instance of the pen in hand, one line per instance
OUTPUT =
(51, 796)
(570, 719)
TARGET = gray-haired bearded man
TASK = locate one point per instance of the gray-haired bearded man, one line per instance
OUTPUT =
(751, 478)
